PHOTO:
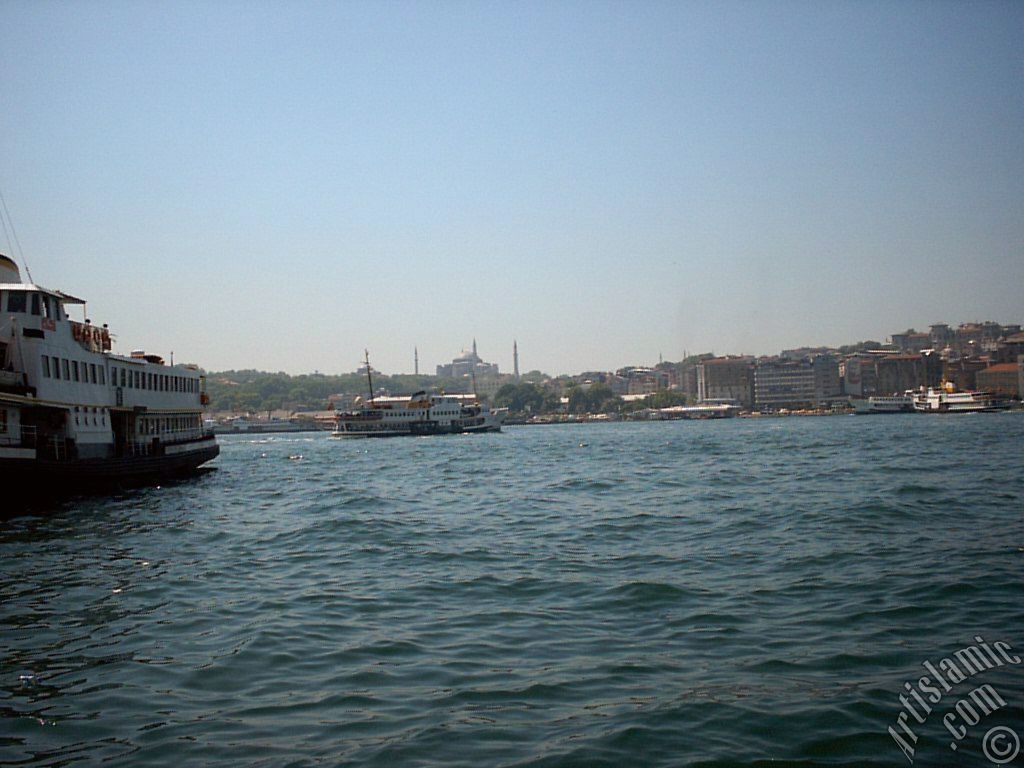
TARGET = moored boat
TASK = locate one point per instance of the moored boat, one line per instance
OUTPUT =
(946, 399)
(883, 404)
(74, 415)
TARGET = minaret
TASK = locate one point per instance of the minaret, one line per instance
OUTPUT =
(416, 360)
(515, 359)
(475, 358)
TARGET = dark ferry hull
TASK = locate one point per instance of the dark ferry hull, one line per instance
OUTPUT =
(27, 478)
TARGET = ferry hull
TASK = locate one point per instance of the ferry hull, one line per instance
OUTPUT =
(415, 430)
(32, 478)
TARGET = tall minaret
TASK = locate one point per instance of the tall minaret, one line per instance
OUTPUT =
(515, 359)
(475, 358)
(416, 360)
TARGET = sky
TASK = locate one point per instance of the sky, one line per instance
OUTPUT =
(281, 185)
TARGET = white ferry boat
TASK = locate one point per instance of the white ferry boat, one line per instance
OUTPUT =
(420, 414)
(73, 415)
(883, 404)
(946, 399)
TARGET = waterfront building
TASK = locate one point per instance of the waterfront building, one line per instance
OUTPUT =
(726, 379)
(860, 375)
(1001, 379)
(898, 373)
(963, 372)
(796, 384)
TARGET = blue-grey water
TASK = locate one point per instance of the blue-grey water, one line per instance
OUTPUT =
(728, 593)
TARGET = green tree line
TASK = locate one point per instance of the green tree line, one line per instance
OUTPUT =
(258, 391)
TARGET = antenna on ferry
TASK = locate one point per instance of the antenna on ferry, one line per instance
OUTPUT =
(5, 220)
(369, 376)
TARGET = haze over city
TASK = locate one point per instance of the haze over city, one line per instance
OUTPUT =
(279, 186)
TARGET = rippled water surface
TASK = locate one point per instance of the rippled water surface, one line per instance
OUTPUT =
(680, 593)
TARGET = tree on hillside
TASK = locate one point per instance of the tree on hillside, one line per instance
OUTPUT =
(525, 398)
(597, 398)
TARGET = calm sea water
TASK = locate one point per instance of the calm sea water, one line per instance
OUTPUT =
(726, 593)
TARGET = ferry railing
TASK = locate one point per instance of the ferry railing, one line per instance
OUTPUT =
(46, 446)
(180, 435)
(148, 446)
(25, 437)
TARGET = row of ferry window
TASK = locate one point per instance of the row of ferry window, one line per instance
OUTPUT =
(157, 382)
(161, 425)
(26, 302)
(90, 373)
(72, 370)
(101, 421)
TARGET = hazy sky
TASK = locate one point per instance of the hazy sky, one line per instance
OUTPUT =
(278, 185)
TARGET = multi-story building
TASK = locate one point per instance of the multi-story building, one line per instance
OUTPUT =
(963, 373)
(641, 380)
(1001, 379)
(898, 373)
(941, 335)
(860, 375)
(726, 378)
(793, 384)
(912, 341)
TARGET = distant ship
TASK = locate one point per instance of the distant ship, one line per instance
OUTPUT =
(883, 404)
(74, 415)
(945, 399)
(420, 414)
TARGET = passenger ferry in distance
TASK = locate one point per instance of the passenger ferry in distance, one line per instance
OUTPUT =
(945, 399)
(883, 404)
(420, 414)
(73, 415)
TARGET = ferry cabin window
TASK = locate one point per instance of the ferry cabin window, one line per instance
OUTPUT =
(103, 376)
(74, 369)
(46, 366)
(92, 372)
(16, 301)
(66, 367)
(35, 304)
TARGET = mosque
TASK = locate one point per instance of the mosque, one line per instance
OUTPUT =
(467, 364)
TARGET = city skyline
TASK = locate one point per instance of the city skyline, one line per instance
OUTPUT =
(487, 361)
(279, 187)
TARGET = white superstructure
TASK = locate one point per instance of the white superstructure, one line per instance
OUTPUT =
(946, 399)
(69, 405)
(883, 404)
(421, 414)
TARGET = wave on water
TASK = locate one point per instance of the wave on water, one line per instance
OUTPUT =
(734, 593)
